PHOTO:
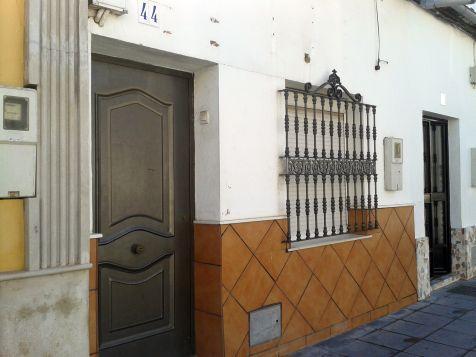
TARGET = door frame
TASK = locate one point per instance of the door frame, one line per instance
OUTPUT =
(95, 160)
(445, 122)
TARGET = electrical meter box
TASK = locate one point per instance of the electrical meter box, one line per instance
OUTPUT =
(18, 140)
(393, 162)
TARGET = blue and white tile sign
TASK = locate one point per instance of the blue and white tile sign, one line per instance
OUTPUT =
(148, 12)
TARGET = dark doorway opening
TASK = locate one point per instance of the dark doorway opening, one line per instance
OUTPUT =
(437, 204)
(143, 192)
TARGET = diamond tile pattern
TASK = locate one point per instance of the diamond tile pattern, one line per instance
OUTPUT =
(320, 289)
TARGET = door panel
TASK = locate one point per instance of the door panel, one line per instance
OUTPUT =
(143, 210)
(436, 194)
(140, 302)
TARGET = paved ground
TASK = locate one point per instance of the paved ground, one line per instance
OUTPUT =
(443, 325)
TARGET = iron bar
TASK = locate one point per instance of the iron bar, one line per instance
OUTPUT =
(339, 130)
(298, 208)
(369, 196)
(314, 125)
(323, 128)
(296, 124)
(374, 135)
(316, 227)
(306, 126)
(333, 206)
(306, 181)
(331, 128)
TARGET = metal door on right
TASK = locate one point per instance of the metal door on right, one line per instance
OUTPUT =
(437, 225)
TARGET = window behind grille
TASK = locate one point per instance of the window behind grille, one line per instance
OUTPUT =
(330, 157)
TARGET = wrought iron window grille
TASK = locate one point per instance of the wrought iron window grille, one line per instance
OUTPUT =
(329, 161)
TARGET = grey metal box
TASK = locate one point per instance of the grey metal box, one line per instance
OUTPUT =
(472, 75)
(18, 170)
(265, 324)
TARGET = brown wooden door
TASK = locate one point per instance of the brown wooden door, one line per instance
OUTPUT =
(142, 121)
(437, 225)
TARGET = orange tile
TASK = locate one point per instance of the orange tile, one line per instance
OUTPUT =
(235, 326)
(235, 257)
(407, 289)
(395, 277)
(277, 296)
(93, 321)
(360, 320)
(409, 300)
(273, 261)
(273, 240)
(404, 213)
(313, 302)
(371, 243)
(311, 256)
(328, 269)
(410, 228)
(253, 286)
(224, 294)
(358, 262)
(412, 272)
(208, 334)
(208, 288)
(382, 216)
(361, 305)
(293, 346)
(244, 350)
(294, 278)
(345, 293)
(343, 250)
(386, 296)
(383, 256)
(252, 232)
(318, 336)
(93, 272)
(268, 353)
(297, 328)
(378, 313)
(394, 306)
(405, 251)
(283, 224)
(372, 284)
(341, 327)
(264, 346)
(331, 316)
(393, 230)
(207, 243)
(223, 228)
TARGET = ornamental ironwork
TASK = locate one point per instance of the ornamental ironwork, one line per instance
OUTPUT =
(330, 161)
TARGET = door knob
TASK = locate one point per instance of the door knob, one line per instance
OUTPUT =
(137, 248)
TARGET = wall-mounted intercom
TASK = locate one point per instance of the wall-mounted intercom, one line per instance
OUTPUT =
(18, 139)
(393, 162)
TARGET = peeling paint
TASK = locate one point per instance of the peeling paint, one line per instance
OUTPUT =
(214, 20)
(214, 43)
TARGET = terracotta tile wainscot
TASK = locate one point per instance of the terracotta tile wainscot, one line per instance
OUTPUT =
(323, 291)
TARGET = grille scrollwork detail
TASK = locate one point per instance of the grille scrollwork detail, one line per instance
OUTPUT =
(329, 167)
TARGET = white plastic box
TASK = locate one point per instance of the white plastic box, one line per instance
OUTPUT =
(18, 141)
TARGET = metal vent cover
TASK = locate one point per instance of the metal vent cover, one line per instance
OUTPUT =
(265, 324)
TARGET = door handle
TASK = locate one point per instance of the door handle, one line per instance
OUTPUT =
(137, 248)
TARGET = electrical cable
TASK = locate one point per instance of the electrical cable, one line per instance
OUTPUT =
(379, 60)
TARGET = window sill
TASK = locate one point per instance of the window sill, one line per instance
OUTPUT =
(318, 242)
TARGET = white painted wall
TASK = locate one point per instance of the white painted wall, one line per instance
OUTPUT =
(260, 44)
